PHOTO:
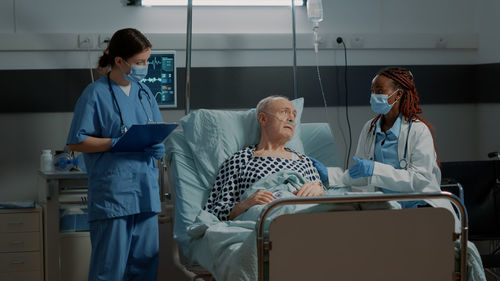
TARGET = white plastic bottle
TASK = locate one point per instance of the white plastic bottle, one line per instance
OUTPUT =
(315, 15)
(46, 161)
(315, 11)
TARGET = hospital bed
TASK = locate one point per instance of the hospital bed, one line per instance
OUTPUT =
(295, 244)
(404, 244)
(481, 188)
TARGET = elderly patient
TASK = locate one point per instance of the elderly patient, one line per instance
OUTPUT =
(276, 116)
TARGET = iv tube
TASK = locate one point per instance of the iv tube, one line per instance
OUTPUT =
(316, 36)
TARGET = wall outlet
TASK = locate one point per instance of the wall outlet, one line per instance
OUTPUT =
(338, 43)
(357, 42)
(103, 40)
(441, 43)
(84, 41)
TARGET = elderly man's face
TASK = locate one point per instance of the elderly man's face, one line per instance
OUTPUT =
(280, 121)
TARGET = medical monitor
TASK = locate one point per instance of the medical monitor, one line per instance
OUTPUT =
(161, 78)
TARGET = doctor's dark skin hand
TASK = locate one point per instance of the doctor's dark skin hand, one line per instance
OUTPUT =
(381, 85)
(362, 168)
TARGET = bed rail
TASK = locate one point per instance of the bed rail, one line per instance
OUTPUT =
(362, 198)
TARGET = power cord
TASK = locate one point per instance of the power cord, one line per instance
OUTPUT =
(339, 114)
(346, 163)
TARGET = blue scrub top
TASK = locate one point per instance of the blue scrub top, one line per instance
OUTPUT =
(386, 151)
(386, 144)
(120, 183)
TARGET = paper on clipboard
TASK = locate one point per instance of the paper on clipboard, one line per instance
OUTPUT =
(139, 137)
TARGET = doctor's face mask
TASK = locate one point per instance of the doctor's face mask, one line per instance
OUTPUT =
(380, 102)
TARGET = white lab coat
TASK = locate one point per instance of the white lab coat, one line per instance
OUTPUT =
(421, 175)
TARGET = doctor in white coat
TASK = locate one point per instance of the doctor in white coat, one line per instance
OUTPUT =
(396, 151)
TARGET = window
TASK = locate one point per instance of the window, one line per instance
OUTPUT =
(220, 2)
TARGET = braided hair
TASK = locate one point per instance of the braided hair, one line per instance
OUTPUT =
(402, 79)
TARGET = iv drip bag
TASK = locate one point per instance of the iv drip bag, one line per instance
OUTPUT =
(315, 11)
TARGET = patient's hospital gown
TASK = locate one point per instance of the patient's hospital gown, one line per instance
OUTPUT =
(242, 169)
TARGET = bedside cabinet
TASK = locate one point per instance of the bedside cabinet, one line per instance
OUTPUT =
(21, 244)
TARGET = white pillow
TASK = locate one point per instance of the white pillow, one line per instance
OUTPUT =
(215, 135)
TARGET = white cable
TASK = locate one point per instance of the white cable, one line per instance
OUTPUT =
(321, 88)
(90, 64)
(324, 100)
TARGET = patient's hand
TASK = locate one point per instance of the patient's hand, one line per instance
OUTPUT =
(310, 189)
(260, 197)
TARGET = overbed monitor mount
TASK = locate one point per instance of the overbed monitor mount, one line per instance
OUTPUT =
(161, 78)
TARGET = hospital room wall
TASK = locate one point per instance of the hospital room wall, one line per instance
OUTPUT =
(489, 52)
(31, 132)
(388, 28)
(452, 143)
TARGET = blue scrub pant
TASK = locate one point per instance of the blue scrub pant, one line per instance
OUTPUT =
(124, 248)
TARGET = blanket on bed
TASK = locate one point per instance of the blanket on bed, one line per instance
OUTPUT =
(228, 249)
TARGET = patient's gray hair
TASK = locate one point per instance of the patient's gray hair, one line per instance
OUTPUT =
(264, 104)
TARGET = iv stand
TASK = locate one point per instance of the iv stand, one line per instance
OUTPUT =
(295, 87)
(189, 33)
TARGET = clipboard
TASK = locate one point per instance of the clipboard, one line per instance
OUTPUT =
(139, 137)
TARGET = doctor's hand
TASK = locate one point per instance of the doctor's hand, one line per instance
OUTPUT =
(156, 150)
(362, 168)
(310, 189)
(323, 172)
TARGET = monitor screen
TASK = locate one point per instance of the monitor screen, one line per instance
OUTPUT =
(161, 78)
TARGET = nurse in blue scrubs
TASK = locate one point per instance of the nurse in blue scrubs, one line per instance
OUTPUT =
(123, 190)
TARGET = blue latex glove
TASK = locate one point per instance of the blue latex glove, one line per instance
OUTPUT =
(323, 172)
(362, 168)
(156, 150)
(114, 141)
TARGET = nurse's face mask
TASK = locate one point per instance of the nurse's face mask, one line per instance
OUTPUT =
(380, 102)
(137, 72)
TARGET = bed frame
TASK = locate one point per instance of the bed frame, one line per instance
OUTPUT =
(406, 244)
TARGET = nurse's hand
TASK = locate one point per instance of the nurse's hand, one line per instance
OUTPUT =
(310, 189)
(93, 145)
(114, 141)
(156, 150)
(362, 168)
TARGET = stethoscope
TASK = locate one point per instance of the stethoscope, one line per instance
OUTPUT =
(403, 163)
(141, 92)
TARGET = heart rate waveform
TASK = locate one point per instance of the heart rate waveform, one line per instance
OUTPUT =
(167, 62)
(151, 80)
(154, 62)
